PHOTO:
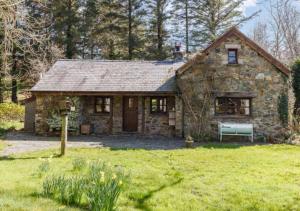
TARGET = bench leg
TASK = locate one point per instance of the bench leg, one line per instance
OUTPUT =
(220, 137)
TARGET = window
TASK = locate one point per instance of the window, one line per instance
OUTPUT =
(233, 106)
(102, 105)
(158, 105)
(130, 102)
(232, 56)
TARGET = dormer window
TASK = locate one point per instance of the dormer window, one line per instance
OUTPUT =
(232, 56)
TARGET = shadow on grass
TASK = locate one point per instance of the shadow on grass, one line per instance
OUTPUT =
(141, 199)
(222, 146)
(70, 205)
(9, 158)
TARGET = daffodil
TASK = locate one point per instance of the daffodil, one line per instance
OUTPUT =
(114, 176)
(102, 179)
(120, 182)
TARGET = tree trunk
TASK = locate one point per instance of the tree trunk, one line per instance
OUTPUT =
(1, 88)
(130, 43)
(69, 37)
(14, 82)
(159, 32)
(186, 27)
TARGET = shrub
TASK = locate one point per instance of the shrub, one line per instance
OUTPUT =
(11, 112)
(99, 186)
(78, 164)
(283, 106)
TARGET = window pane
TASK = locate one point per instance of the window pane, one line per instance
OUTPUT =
(165, 105)
(130, 102)
(232, 56)
(99, 101)
(154, 105)
(98, 108)
(245, 102)
(107, 108)
(233, 106)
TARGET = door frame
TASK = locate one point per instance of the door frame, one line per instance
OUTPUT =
(137, 113)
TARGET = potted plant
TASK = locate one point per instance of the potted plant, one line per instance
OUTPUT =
(189, 142)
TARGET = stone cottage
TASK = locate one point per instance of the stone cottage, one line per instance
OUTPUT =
(232, 80)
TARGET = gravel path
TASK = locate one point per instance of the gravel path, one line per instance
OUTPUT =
(19, 142)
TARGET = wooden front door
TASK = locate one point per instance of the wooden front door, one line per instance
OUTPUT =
(130, 114)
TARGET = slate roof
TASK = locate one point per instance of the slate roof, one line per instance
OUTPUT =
(109, 76)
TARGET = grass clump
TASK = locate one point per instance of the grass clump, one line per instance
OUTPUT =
(98, 188)
(79, 164)
(44, 167)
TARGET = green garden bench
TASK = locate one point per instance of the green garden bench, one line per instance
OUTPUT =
(235, 129)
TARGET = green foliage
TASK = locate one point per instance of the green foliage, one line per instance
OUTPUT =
(66, 25)
(296, 83)
(100, 186)
(11, 112)
(6, 126)
(214, 17)
(283, 106)
(79, 164)
(44, 167)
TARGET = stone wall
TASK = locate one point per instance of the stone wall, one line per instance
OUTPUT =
(29, 120)
(253, 76)
(101, 122)
(44, 106)
(158, 124)
(112, 123)
(117, 115)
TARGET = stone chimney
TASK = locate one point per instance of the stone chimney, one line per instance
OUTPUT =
(177, 53)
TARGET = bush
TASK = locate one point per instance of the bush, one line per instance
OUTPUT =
(11, 112)
(99, 187)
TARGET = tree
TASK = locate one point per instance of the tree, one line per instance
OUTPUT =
(183, 19)
(214, 17)
(135, 15)
(260, 35)
(87, 29)
(66, 24)
(158, 33)
(285, 22)
(296, 85)
(110, 28)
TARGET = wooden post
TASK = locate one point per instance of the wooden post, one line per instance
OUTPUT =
(64, 133)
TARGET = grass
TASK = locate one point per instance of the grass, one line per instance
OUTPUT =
(211, 177)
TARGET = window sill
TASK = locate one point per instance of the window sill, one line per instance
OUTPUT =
(234, 65)
(232, 117)
(159, 114)
(100, 114)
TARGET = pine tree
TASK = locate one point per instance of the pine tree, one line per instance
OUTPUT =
(214, 17)
(87, 29)
(135, 17)
(110, 28)
(158, 33)
(66, 24)
(183, 19)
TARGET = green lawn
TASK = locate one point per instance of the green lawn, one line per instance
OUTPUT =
(211, 177)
